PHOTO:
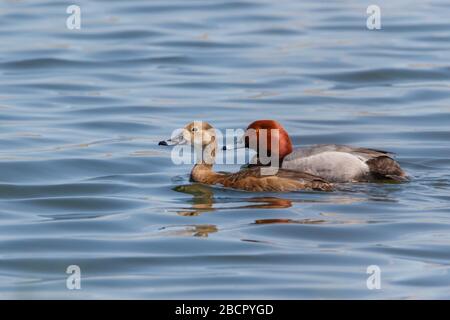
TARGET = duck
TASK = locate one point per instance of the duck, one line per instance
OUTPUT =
(333, 162)
(202, 136)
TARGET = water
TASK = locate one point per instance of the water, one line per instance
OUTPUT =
(83, 182)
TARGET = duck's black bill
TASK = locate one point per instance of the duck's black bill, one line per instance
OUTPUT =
(179, 139)
(238, 145)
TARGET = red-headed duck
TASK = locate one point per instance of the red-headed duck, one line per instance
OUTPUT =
(202, 136)
(334, 163)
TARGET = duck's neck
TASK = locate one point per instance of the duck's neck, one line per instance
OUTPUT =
(276, 155)
(271, 159)
(203, 170)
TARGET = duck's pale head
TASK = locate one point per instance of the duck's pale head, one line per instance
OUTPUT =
(197, 133)
(201, 135)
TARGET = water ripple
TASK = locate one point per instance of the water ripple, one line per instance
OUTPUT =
(83, 181)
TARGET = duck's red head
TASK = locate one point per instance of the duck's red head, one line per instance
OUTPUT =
(269, 128)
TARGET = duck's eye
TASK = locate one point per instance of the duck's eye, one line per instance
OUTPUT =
(194, 129)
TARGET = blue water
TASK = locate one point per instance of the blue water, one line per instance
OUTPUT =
(83, 181)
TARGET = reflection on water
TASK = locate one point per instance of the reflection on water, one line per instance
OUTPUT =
(203, 200)
(195, 231)
(83, 181)
(303, 221)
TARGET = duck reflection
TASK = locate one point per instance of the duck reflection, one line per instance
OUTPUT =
(277, 221)
(203, 200)
(200, 230)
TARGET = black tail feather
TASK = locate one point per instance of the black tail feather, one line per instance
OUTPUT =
(386, 168)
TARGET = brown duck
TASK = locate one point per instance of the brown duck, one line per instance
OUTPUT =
(202, 136)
